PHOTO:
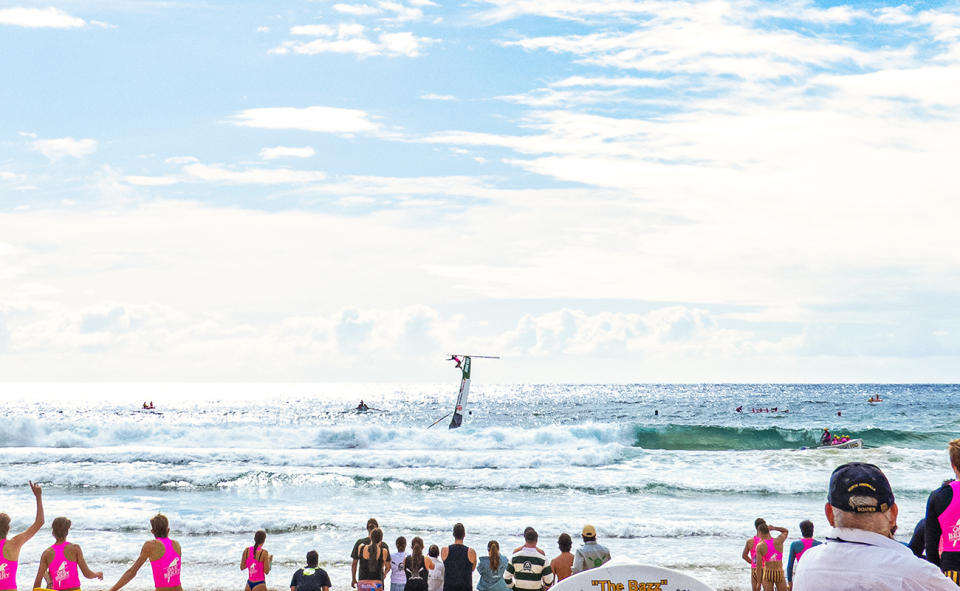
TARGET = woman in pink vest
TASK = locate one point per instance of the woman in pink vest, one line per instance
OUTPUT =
(62, 563)
(10, 549)
(257, 561)
(164, 556)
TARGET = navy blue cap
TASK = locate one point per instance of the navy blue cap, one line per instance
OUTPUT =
(860, 488)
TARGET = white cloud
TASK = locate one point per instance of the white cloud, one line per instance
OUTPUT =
(55, 149)
(438, 97)
(624, 81)
(356, 9)
(151, 181)
(182, 160)
(313, 30)
(263, 29)
(405, 43)
(37, 18)
(321, 119)
(252, 176)
(286, 152)
(352, 38)
(402, 12)
(10, 176)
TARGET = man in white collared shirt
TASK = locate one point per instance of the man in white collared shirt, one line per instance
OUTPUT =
(860, 553)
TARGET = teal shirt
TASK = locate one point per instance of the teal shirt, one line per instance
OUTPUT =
(491, 580)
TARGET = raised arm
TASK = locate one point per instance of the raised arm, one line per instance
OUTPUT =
(784, 532)
(132, 571)
(21, 538)
(82, 563)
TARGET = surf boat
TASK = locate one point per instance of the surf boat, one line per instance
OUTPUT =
(850, 444)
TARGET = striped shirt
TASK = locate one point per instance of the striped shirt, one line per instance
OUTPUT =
(528, 570)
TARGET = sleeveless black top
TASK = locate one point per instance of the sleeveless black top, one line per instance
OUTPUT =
(457, 569)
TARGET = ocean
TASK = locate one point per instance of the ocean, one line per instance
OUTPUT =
(670, 475)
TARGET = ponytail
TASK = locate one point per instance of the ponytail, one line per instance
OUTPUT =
(493, 550)
(258, 539)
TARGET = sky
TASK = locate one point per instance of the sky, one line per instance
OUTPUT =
(595, 190)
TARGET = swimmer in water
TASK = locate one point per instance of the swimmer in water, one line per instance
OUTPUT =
(164, 556)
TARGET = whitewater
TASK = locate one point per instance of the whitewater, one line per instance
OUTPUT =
(670, 475)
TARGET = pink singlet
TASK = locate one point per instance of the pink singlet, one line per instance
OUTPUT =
(8, 570)
(254, 566)
(753, 552)
(950, 522)
(166, 571)
(807, 544)
(772, 553)
(63, 573)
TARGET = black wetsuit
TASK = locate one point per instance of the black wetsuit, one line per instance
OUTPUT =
(918, 541)
(457, 569)
(938, 502)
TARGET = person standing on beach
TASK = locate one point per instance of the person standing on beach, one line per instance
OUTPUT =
(374, 558)
(942, 527)
(459, 562)
(312, 577)
(435, 568)
(860, 552)
(770, 557)
(528, 569)
(415, 567)
(10, 549)
(355, 553)
(799, 547)
(562, 565)
(60, 564)
(491, 568)
(591, 554)
(257, 561)
(164, 556)
(750, 554)
(398, 578)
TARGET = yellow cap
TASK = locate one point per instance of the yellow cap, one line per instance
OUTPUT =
(589, 531)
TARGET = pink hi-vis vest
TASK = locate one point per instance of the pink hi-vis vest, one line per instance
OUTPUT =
(166, 570)
(753, 552)
(950, 522)
(8, 570)
(254, 566)
(63, 573)
(807, 544)
(772, 553)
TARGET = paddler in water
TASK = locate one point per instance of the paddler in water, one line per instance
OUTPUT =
(362, 407)
(826, 437)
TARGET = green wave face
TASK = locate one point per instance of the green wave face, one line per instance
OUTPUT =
(706, 437)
